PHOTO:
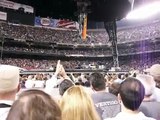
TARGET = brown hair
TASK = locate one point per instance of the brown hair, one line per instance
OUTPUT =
(34, 105)
(114, 88)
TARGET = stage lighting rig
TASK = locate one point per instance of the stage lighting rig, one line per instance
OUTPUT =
(82, 6)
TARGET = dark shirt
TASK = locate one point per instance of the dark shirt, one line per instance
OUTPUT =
(106, 104)
(151, 109)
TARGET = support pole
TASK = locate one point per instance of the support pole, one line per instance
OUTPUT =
(2, 45)
(111, 29)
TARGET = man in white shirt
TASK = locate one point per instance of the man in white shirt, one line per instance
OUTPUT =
(9, 86)
(154, 71)
(150, 107)
(131, 94)
(54, 81)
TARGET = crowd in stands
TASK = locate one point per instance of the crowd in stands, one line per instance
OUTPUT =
(139, 64)
(96, 96)
(141, 48)
(21, 32)
(92, 52)
(81, 96)
(48, 64)
(125, 64)
(134, 95)
(59, 52)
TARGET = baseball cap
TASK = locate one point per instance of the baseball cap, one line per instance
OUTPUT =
(9, 77)
(154, 70)
(148, 83)
(64, 85)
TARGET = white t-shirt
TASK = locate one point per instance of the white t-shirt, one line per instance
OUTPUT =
(157, 94)
(29, 84)
(51, 84)
(39, 84)
(128, 116)
(4, 111)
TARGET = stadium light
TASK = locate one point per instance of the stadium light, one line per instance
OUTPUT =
(144, 11)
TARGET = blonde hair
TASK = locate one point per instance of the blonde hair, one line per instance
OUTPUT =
(76, 104)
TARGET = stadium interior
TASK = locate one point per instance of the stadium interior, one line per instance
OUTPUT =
(118, 38)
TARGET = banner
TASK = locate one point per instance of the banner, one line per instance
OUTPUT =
(46, 22)
(55, 23)
(3, 16)
(66, 24)
(16, 6)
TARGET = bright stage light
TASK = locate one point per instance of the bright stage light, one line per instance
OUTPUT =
(145, 11)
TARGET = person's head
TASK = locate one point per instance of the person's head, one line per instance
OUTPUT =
(148, 83)
(34, 105)
(9, 82)
(76, 104)
(154, 70)
(119, 76)
(114, 88)
(131, 93)
(64, 85)
(97, 81)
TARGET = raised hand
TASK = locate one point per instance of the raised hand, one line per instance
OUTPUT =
(58, 68)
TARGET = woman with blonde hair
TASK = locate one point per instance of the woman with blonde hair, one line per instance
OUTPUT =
(76, 104)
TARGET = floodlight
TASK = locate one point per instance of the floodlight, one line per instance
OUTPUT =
(145, 11)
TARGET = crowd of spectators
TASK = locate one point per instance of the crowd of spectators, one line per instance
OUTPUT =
(139, 48)
(92, 52)
(40, 34)
(48, 64)
(80, 96)
(125, 64)
(58, 97)
(138, 64)
(59, 52)
(38, 64)
(21, 32)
